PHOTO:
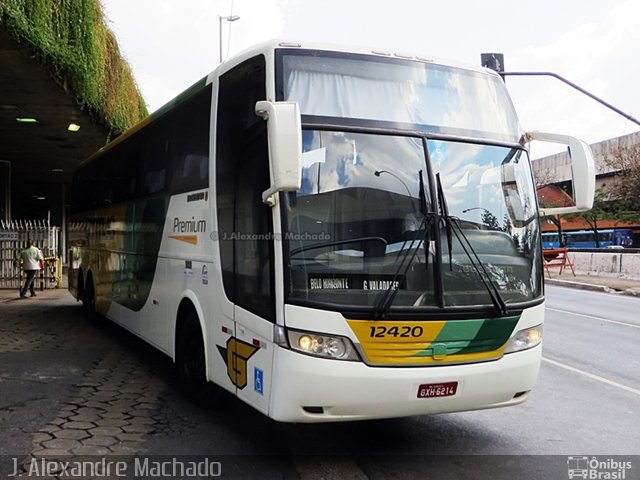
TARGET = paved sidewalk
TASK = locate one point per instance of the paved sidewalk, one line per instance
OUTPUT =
(599, 283)
(10, 294)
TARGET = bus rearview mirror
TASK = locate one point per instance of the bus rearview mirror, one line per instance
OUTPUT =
(285, 146)
(583, 177)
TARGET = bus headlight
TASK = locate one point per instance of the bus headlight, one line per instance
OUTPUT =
(325, 346)
(525, 339)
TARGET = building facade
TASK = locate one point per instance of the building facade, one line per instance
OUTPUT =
(556, 170)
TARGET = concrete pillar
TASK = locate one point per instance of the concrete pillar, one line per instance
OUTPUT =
(5, 190)
(63, 227)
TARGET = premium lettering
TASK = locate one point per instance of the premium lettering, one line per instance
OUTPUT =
(189, 226)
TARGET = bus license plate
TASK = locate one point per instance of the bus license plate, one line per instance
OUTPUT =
(432, 390)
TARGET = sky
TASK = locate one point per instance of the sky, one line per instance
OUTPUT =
(170, 44)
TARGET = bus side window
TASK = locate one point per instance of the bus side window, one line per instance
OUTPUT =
(126, 175)
(155, 159)
(191, 169)
(190, 144)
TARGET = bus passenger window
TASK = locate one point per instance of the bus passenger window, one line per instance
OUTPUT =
(155, 159)
(190, 144)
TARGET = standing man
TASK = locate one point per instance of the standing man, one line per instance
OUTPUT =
(30, 258)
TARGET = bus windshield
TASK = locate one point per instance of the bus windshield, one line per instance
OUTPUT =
(430, 97)
(367, 227)
(364, 222)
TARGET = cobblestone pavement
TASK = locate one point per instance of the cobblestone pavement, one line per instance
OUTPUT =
(97, 398)
(111, 413)
(72, 389)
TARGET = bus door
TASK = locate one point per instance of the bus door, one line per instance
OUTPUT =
(254, 277)
(246, 255)
(245, 230)
(253, 359)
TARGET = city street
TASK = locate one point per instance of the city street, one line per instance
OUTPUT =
(70, 387)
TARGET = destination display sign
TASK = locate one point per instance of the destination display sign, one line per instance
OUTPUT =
(355, 282)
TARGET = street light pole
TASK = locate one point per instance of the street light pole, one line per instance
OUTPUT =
(377, 173)
(495, 61)
(476, 208)
(229, 18)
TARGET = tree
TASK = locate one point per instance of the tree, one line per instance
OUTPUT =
(490, 221)
(507, 224)
(601, 210)
(624, 191)
(555, 219)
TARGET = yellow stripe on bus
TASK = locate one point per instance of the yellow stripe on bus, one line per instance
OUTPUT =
(192, 239)
(408, 342)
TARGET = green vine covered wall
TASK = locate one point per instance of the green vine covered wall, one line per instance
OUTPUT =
(71, 40)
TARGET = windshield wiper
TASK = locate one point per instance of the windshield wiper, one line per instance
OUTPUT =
(390, 293)
(452, 225)
(385, 301)
(444, 209)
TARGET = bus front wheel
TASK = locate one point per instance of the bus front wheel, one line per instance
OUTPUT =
(192, 368)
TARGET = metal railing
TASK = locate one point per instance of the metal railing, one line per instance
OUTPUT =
(14, 235)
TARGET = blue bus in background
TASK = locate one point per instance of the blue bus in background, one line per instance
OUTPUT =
(550, 240)
(616, 237)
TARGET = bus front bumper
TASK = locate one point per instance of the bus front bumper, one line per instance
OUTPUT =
(309, 389)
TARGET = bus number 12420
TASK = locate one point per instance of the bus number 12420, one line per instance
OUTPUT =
(404, 331)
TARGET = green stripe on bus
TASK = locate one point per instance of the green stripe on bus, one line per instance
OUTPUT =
(493, 333)
(458, 334)
(141, 238)
(472, 336)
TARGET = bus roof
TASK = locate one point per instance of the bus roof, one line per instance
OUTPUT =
(271, 45)
(267, 48)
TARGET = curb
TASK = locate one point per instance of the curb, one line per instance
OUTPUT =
(579, 285)
(634, 292)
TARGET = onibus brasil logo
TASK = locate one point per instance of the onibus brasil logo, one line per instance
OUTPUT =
(597, 468)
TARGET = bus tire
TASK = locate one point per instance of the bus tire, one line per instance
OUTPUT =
(191, 364)
(89, 301)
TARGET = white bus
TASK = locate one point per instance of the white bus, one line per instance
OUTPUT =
(328, 234)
